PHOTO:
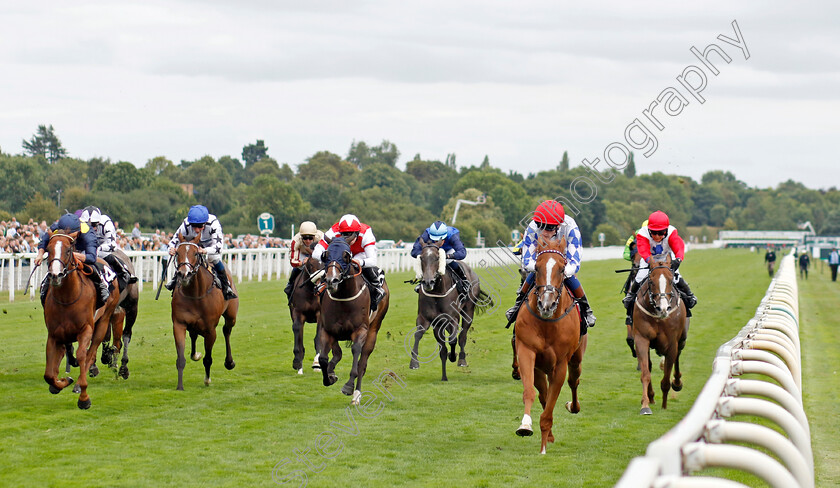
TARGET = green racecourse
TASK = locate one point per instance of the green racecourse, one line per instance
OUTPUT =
(141, 432)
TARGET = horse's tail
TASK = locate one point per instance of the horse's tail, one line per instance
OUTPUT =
(483, 301)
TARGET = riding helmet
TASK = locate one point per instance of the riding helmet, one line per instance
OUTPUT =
(349, 223)
(308, 228)
(198, 214)
(438, 231)
(658, 221)
(550, 212)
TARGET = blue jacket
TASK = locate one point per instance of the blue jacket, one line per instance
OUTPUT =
(86, 243)
(452, 242)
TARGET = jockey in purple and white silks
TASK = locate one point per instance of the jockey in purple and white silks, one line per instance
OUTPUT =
(550, 221)
(106, 236)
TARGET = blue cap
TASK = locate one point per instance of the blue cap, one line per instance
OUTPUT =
(70, 222)
(198, 214)
(438, 231)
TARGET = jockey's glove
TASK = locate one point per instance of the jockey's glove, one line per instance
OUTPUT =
(675, 264)
(569, 271)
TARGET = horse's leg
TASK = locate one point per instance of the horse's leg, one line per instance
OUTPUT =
(360, 336)
(515, 374)
(327, 343)
(107, 350)
(422, 326)
(209, 340)
(130, 318)
(54, 353)
(297, 331)
(527, 358)
(466, 322)
(117, 322)
(677, 383)
(665, 384)
(316, 365)
(440, 335)
(541, 382)
(86, 359)
(230, 321)
(367, 349)
(195, 356)
(179, 330)
(575, 363)
(555, 384)
(643, 355)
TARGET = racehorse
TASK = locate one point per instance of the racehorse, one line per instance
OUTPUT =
(440, 306)
(197, 305)
(346, 315)
(121, 325)
(548, 340)
(304, 306)
(70, 313)
(660, 322)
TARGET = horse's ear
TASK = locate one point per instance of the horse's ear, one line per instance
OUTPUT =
(347, 257)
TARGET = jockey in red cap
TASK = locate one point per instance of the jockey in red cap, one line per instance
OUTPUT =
(658, 237)
(550, 220)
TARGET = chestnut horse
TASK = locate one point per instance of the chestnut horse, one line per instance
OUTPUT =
(304, 306)
(197, 305)
(441, 307)
(70, 313)
(659, 322)
(548, 340)
(346, 315)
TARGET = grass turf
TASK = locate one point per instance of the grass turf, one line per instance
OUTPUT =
(261, 422)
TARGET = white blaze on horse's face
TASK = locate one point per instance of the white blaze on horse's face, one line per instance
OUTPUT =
(547, 302)
(55, 264)
(663, 298)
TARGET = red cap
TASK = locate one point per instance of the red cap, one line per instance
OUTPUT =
(658, 221)
(549, 212)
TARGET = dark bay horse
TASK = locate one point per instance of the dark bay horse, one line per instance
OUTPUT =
(197, 305)
(70, 313)
(548, 340)
(440, 306)
(659, 322)
(346, 315)
(304, 306)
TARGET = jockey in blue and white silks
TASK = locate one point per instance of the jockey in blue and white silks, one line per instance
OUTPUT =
(550, 221)
(452, 246)
(106, 236)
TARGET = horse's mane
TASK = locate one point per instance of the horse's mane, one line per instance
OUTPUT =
(555, 243)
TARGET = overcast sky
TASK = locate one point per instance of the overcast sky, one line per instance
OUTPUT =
(518, 81)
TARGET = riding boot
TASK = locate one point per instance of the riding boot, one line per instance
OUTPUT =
(291, 284)
(688, 296)
(513, 311)
(171, 284)
(629, 300)
(586, 313)
(45, 285)
(461, 281)
(227, 290)
(101, 285)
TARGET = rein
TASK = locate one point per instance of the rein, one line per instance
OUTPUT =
(343, 276)
(555, 319)
(193, 270)
(67, 269)
(653, 296)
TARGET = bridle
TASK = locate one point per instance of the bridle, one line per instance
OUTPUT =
(438, 274)
(654, 297)
(65, 267)
(192, 269)
(549, 288)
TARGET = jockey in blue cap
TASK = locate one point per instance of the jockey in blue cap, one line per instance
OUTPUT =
(85, 243)
(452, 245)
(201, 222)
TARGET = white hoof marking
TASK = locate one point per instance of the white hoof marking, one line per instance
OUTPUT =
(207, 381)
(357, 398)
(300, 371)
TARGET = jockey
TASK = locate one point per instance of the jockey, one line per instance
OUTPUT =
(659, 237)
(550, 221)
(630, 245)
(363, 246)
(301, 248)
(201, 222)
(85, 251)
(452, 246)
(106, 236)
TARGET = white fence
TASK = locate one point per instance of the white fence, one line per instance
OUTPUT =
(769, 346)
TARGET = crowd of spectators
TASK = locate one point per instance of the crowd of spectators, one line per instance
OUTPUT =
(16, 237)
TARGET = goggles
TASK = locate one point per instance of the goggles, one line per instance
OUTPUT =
(546, 227)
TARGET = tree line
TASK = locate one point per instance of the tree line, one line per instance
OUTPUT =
(44, 180)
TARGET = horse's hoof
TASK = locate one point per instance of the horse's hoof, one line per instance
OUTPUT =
(462, 363)
(452, 357)
(73, 362)
(300, 371)
(207, 381)
(230, 365)
(55, 390)
(77, 389)
(631, 343)
(124, 372)
(347, 389)
(357, 398)
(646, 411)
(330, 380)
(569, 408)
(444, 378)
(84, 405)
(524, 430)
(515, 375)
(196, 356)
(662, 363)
(414, 364)
(93, 372)
(677, 386)
(296, 365)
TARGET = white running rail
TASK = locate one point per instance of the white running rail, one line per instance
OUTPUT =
(769, 346)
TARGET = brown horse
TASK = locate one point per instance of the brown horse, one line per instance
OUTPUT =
(346, 315)
(70, 313)
(304, 306)
(548, 340)
(197, 305)
(441, 307)
(660, 322)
